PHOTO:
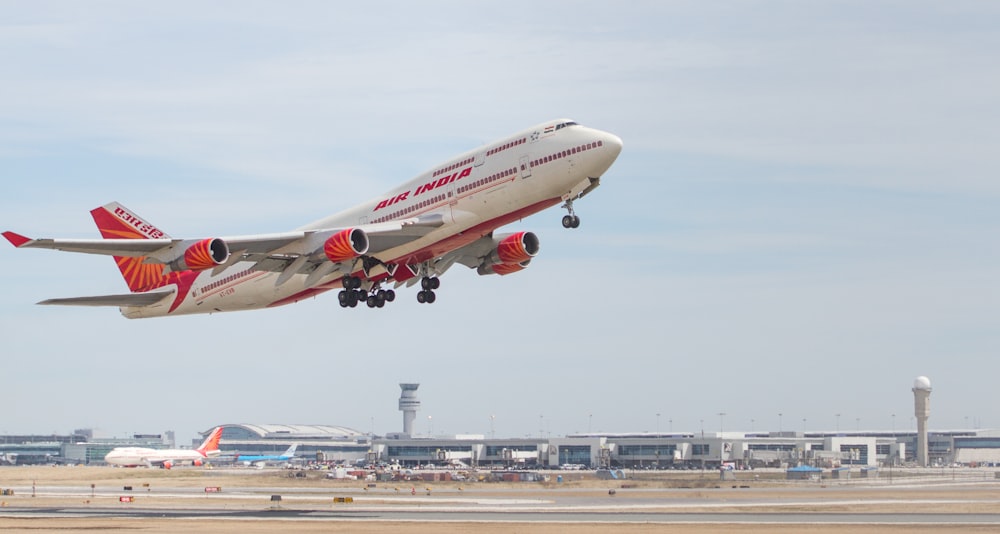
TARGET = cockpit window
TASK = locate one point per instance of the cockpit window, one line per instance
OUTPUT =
(565, 124)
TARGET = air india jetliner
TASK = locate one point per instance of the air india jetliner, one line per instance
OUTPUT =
(166, 458)
(413, 233)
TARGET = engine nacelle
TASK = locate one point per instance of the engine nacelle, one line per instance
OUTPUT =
(346, 245)
(503, 268)
(168, 464)
(513, 248)
(197, 463)
(202, 255)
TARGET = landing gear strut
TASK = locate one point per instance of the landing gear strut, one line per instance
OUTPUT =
(428, 284)
(352, 294)
(571, 220)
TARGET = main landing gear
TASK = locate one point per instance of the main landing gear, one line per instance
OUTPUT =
(429, 284)
(352, 294)
(571, 220)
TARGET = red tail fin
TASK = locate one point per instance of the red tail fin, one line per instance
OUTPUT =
(117, 222)
(211, 443)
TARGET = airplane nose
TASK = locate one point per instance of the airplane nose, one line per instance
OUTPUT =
(614, 143)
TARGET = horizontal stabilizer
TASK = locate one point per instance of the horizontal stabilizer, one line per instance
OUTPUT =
(126, 300)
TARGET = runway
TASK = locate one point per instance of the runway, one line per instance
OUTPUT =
(519, 516)
(160, 501)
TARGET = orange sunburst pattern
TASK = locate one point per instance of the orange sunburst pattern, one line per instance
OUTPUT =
(339, 247)
(511, 249)
(507, 268)
(198, 256)
(138, 275)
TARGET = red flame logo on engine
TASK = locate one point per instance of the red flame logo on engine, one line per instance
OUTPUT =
(517, 248)
(346, 245)
(199, 256)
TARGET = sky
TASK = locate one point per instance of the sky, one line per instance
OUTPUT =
(804, 217)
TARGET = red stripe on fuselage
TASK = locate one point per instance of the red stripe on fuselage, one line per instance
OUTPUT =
(457, 241)
(301, 295)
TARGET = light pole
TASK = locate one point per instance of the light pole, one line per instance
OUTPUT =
(657, 423)
(590, 419)
(779, 422)
(430, 427)
(838, 423)
(721, 416)
(493, 433)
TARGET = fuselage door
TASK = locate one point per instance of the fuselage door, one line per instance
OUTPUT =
(480, 159)
(525, 166)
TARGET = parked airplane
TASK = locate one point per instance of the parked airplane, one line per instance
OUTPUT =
(412, 233)
(166, 458)
(252, 459)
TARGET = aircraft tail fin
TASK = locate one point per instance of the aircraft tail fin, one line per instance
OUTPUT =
(291, 450)
(118, 222)
(210, 447)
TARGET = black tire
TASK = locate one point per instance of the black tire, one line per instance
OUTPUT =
(567, 221)
(431, 297)
(342, 297)
(421, 297)
(576, 221)
(372, 301)
(390, 295)
(435, 283)
(425, 283)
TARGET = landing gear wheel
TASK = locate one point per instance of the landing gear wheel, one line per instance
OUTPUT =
(422, 296)
(343, 297)
(390, 295)
(372, 301)
(431, 297)
(435, 283)
(576, 221)
(567, 221)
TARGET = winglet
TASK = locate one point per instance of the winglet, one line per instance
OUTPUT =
(16, 239)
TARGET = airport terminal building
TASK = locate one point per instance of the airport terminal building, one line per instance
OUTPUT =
(677, 450)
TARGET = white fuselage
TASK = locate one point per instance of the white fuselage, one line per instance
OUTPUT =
(474, 193)
(137, 456)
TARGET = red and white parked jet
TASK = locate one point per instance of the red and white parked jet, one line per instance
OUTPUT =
(166, 458)
(413, 233)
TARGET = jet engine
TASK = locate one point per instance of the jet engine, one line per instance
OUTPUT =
(503, 268)
(202, 255)
(168, 464)
(513, 253)
(346, 245)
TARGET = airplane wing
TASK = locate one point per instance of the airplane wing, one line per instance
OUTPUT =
(290, 253)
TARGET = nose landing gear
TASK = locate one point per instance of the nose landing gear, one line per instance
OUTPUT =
(571, 220)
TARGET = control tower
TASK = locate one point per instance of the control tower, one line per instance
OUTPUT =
(922, 410)
(409, 404)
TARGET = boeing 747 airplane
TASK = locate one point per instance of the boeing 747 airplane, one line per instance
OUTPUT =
(413, 233)
(166, 458)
